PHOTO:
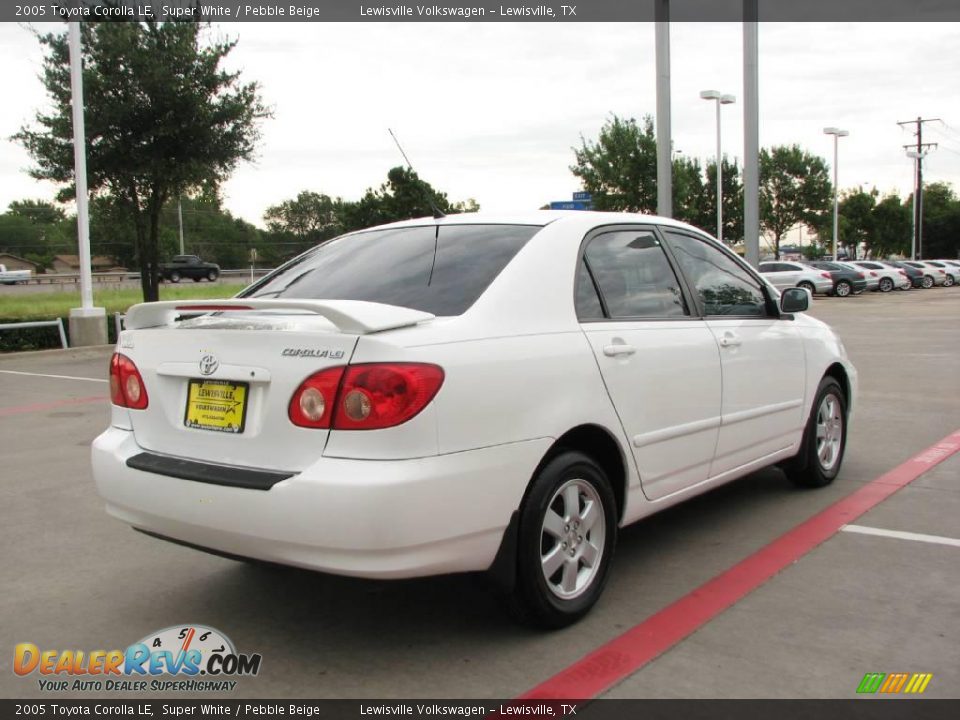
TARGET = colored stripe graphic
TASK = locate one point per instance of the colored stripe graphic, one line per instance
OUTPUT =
(619, 658)
(871, 683)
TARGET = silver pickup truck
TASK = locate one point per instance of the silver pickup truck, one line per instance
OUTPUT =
(12, 277)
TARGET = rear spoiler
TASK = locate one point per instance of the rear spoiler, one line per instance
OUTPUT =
(350, 316)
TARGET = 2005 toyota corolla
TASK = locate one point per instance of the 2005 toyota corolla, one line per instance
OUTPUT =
(469, 393)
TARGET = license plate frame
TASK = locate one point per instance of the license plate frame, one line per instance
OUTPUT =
(213, 409)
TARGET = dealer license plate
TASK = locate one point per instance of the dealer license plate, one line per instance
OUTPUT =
(216, 405)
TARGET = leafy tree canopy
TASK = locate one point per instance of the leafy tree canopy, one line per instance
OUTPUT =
(162, 118)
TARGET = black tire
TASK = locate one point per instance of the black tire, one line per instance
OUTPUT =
(808, 286)
(175, 277)
(927, 282)
(537, 599)
(809, 468)
(213, 275)
(842, 289)
(948, 281)
(886, 285)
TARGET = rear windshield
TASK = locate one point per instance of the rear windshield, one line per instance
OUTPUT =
(437, 269)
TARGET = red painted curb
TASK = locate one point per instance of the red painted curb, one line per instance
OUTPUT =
(40, 407)
(624, 655)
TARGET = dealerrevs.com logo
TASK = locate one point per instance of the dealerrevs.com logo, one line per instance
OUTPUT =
(197, 657)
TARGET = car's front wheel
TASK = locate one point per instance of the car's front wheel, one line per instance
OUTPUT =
(567, 534)
(175, 277)
(842, 289)
(824, 439)
(927, 282)
(948, 281)
(212, 275)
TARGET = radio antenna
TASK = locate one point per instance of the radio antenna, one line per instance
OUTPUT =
(437, 213)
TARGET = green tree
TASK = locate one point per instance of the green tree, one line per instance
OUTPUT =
(162, 118)
(689, 194)
(39, 212)
(402, 197)
(856, 219)
(891, 228)
(795, 189)
(941, 221)
(732, 201)
(305, 221)
(619, 169)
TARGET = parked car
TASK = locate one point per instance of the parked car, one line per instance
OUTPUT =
(931, 275)
(951, 275)
(871, 276)
(12, 277)
(471, 393)
(783, 275)
(915, 275)
(888, 278)
(846, 282)
(189, 266)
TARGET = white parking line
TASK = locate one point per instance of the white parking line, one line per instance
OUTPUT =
(919, 537)
(60, 377)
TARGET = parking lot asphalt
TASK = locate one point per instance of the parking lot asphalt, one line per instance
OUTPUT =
(75, 578)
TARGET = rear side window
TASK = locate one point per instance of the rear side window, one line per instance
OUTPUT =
(436, 269)
(633, 275)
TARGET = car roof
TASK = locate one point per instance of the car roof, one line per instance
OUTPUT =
(579, 218)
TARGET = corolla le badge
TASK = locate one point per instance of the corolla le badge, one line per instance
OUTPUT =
(208, 364)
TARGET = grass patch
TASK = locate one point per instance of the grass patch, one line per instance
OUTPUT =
(51, 305)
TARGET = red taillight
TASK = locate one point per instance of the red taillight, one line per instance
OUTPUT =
(872, 274)
(365, 397)
(826, 275)
(126, 384)
(312, 404)
(859, 275)
(382, 395)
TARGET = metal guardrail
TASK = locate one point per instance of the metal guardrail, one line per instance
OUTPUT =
(58, 323)
(117, 277)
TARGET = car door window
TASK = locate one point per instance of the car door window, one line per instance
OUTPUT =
(723, 286)
(634, 276)
(587, 301)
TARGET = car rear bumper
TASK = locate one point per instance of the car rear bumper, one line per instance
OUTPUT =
(378, 519)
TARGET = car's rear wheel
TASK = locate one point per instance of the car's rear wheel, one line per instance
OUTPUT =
(842, 289)
(927, 282)
(567, 534)
(886, 284)
(824, 439)
(212, 275)
(807, 286)
(175, 276)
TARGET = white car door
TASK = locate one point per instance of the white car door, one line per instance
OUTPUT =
(762, 356)
(659, 361)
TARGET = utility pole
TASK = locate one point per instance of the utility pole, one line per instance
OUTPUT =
(180, 220)
(751, 133)
(664, 144)
(918, 153)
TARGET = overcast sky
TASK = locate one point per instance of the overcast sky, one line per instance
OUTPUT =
(491, 111)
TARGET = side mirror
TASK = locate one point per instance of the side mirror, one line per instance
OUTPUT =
(794, 300)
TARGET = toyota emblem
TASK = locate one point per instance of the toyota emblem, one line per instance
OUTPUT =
(209, 364)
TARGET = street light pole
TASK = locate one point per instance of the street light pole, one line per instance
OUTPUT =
(720, 100)
(837, 134)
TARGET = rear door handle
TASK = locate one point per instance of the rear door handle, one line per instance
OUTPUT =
(618, 349)
(729, 339)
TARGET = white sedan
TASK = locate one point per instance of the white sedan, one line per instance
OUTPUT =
(782, 275)
(469, 393)
(887, 278)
